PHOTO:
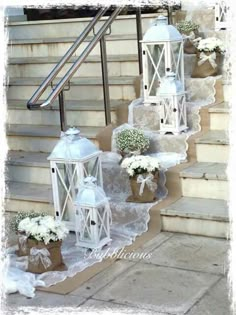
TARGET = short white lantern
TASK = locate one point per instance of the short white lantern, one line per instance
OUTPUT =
(221, 12)
(173, 117)
(93, 216)
(162, 48)
(73, 159)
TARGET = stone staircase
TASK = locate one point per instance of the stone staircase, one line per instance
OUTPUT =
(34, 48)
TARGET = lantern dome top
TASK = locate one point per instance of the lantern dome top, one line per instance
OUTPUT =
(160, 31)
(73, 147)
(170, 85)
(90, 194)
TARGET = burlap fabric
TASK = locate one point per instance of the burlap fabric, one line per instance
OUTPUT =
(205, 69)
(189, 47)
(147, 195)
(22, 245)
(35, 264)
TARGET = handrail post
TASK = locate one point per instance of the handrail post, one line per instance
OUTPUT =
(170, 11)
(62, 110)
(105, 80)
(139, 38)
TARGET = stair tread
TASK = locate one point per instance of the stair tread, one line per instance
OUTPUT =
(46, 131)
(121, 80)
(29, 192)
(214, 137)
(68, 39)
(206, 170)
(83, 105)
(56, 59)
(27, 158)
(220, 108)
(198, 208)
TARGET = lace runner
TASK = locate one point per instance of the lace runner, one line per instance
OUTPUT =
(129, 219)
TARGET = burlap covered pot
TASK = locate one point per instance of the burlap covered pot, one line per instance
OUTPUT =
(189, 47)
(206, 69)
(148, 195)
(23, 249)
(38, 262)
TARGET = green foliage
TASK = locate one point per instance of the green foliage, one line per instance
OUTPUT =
(130, 140)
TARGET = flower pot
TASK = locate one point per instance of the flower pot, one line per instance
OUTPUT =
(43, 258)
(22, 245)
(189, 47)
(203, 67)
(147, 195)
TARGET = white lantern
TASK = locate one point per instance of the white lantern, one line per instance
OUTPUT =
(93, 216)
(171, 95)
(72, 160)
(162, 48)
(221, 11)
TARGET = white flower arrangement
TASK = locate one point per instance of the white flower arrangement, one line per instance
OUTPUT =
(139, 164)
(130, 140)
(211, 44)
(186, 27)
(43, 229)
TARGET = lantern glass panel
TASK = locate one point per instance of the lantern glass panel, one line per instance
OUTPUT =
(168, 114)
(175, 66)
(102, 222)
(92, 168)
(156, 66)
(182, 109)
(85, 224)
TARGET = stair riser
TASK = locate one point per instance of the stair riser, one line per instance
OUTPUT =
(27, 174)
(219, 121)
(114, 47)
(227, 88)
(74, 118)
(34, 144)
(16, 205)
(88, 69)
(81, 92)
(212, 153)
(202, 188)
(195, 226)
(72, 27)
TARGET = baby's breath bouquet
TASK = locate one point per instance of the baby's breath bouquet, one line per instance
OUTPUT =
(43, 229)
(132, 141)
(185, 27)
(139, 164)
(211, 44)
(143, 176)
(22, 215)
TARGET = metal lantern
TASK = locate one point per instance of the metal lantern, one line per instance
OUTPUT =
(171, 95)
(72, 160)
(162, 48)
(93, 216)
(221, 11)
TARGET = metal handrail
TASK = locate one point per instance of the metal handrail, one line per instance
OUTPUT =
(61, 84)
(32, 102)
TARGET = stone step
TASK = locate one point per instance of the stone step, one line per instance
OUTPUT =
(199, 216)
(118, 65)
(90, 88)
(45, 47)
(213, 146)
(26, 197)
(78, 113)
(205, 180)
(73, 27)
(28, 167)
(219, 116)
(35, 138)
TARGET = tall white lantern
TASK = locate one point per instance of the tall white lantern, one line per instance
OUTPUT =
(221, 12)
(93, 216)
(73, 159)
(162, 48)
(171, 95)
